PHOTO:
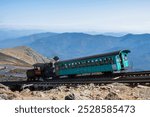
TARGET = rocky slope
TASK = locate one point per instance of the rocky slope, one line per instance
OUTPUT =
(82, 92)
(6, 59)
(21, 55)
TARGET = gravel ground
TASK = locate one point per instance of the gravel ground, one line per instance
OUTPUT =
(113, 91)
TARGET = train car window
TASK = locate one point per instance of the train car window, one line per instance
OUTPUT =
(102, 62)
(85, 63)
(91, 62)
(112, 61)
(125, 57)
(75, 64)
(68, 65)
(72, 64)
(78, 64)
(94, 63)
(107, 60)
(118, 59)
(88, 63)
(82, 63)
(97, 62)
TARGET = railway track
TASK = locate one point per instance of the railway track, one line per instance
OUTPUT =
(125, 77)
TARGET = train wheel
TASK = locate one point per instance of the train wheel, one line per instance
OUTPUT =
(72, 76)
(108, 73)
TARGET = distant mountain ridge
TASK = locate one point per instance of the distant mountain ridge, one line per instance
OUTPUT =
(14, 33)
(73, 45)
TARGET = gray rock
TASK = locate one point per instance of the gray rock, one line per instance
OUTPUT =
(4, 87)
(4, 96)
(112, 96)
(25, 91)
(70, 97)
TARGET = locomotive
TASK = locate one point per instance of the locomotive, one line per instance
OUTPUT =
(100, 63)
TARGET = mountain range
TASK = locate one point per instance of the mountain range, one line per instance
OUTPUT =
(73, 45)
(8, 33)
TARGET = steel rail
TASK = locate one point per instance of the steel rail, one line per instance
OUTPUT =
(126, 77)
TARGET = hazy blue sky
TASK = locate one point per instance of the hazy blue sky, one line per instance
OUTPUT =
(77, 15)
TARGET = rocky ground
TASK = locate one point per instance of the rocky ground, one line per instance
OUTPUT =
(12, 73)
(82, 92)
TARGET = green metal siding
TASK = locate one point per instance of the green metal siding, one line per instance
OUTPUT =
(125, 61)
(82, 70)
(118, 64)
(87, 69)
(83, 66)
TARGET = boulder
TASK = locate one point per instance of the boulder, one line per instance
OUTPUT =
(70, 97)
(112, 96)
(8, 96)
(4, 87)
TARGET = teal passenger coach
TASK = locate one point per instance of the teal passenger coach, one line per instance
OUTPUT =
(100, 63)
(108, 62)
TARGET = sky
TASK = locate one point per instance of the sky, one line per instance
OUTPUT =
(77, 15)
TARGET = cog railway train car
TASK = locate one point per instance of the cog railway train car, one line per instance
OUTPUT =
(101, 63)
